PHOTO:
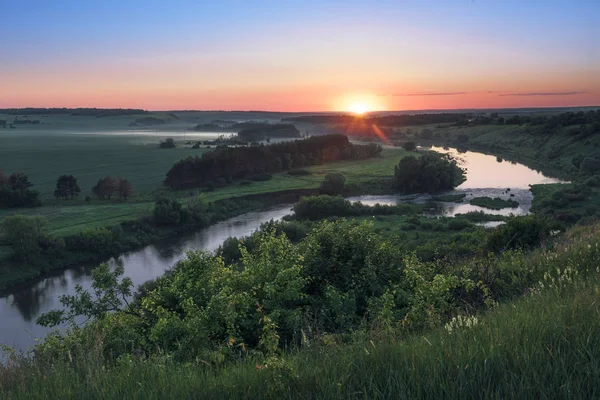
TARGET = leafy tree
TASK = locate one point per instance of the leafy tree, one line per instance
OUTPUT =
(99, 190)
(111, 185)
(14, 191)
(67, 187)
(169, 212)
(110, 294)
(429, 173)
(333, 184)
(24, 233)
(19, 182)
(125, 188)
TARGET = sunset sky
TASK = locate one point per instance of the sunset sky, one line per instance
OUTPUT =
(300, 55)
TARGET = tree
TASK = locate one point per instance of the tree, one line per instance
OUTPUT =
(66, 187)
(2, 178)
(333, 183)
(19, 182)
(24, 233)
(169, 212)
(99, 190)
(125, 189)
(430, 173)
(110, 186)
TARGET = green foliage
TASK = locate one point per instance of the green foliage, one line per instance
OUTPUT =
(480, 216)
(25, 234)
(67, 187)
(110, 294)
(495, 203)
(521, 232)
(333, 184)
(221, 302)
(430, 173)
(15, 192)
(169, 212)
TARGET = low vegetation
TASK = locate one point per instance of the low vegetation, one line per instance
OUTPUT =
(271, 332)
(450, 198)
(495, 203)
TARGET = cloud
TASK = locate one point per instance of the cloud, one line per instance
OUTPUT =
(431, 94)
(542, 94)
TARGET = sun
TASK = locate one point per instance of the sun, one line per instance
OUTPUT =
(360, 104)
(359, 108)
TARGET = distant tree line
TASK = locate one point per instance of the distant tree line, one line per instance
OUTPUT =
(15, 189)
(226, 164)
(92, 112)
(386, 120)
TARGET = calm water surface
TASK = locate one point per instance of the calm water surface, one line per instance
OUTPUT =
(19, 310)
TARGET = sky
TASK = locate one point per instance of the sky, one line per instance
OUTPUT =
(308, 55)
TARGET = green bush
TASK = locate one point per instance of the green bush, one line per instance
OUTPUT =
(333, 184)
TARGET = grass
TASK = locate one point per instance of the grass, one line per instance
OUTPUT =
(145, 165)
(495, 203)
(542, 346)
(43, 156)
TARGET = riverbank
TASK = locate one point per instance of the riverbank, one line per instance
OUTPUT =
(140, 233)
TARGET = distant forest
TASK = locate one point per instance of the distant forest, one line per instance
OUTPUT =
(88, 112)
(225, 164)
(460, 119)
(387, 120)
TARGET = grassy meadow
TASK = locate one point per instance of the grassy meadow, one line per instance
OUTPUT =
(70, 147)
(90, 157)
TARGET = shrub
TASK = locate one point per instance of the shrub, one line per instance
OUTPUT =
(521, 232)
(409, 146)
(169, 212)
(333, 184)
(168, 143)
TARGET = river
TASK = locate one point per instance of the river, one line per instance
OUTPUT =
(19, 310)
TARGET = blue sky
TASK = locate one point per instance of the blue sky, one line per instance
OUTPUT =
(148, 52)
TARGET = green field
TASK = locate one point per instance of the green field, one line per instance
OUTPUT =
(43, 156)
